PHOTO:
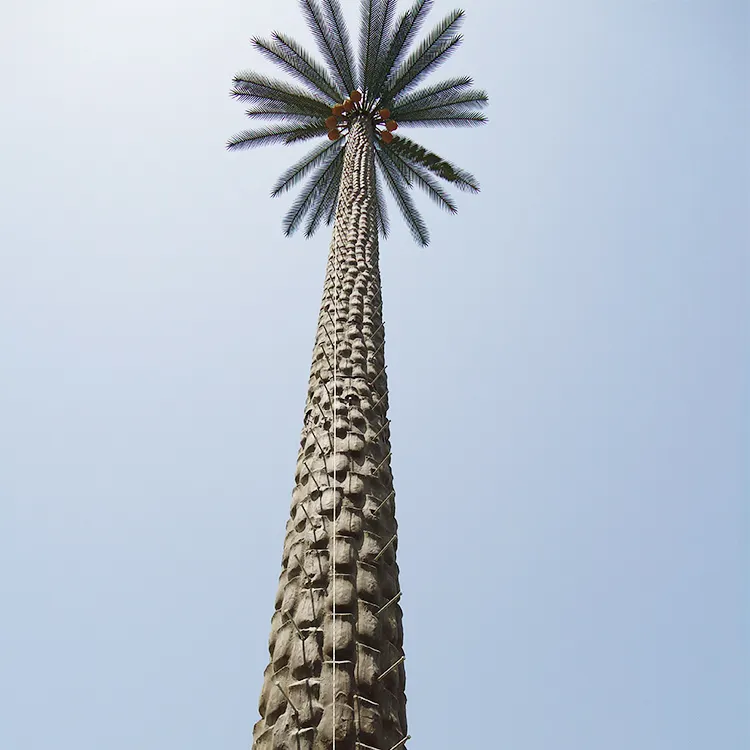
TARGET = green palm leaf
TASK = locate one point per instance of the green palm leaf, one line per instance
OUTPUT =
(405, 30)
(377, 16)
(366, 52)
(307, 132)
(419, 175)
(381, 209)
(312, 193)
(434, 90)
(416, 154)
(332, 211)
(434, 189)
(444, 117)
(397, 165)
(399, 189)
(437, 56)
(297, 171)
(259, 89)
(289, 59)
(307, 65)
(327, 200)
(451, 95)
(318, 25)
(265, 136)
(340, 42)
(277, 113)
(431, 52)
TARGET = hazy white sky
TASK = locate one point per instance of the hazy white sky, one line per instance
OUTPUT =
(568, 364)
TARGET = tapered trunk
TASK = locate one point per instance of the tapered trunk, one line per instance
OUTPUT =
(336, 677)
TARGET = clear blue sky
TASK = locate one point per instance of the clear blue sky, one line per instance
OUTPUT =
(568, 365)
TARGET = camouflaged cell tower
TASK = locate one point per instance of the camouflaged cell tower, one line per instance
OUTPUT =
(336, 678)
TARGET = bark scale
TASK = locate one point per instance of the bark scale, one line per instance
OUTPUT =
(336, 678)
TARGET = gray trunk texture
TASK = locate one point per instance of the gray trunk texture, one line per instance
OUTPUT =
(336, 678)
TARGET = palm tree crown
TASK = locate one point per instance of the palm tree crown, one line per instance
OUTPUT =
(381, 84)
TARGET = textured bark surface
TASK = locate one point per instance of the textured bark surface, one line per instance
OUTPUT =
(336, 675)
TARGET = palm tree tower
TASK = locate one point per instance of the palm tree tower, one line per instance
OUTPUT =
(336, 677)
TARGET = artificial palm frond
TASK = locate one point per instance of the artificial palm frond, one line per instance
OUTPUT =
(259, 89)
(341, 45)
(327, 200)
(436, 89)
(266, 136)
(381, 209)
(406, 29)
(332, 211)
(280, 112)
(437, 56)
(399, 189)
(418, 175)
(444, 117)
(314, 191)
(318, 25)
(458, 102)
(289, 59)
(297, 171)
(306, 132)
(366, 52)
(433, 189)
(416, 154)
(307, 65)
(432, 51)
(448, 93)
(398, 164)
(377, 17)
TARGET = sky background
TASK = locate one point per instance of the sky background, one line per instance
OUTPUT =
(568, 364)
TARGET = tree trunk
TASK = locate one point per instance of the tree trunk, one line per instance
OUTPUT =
(336, 677)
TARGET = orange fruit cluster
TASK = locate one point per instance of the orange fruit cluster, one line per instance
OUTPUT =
(336, 123)
(338, 114)
(390, 125)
